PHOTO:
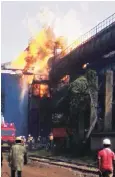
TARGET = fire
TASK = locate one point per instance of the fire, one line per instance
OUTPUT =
(37, 54)
(20, 62)
(41, 48)
(44, 90)
(39, 51)
(40, 90)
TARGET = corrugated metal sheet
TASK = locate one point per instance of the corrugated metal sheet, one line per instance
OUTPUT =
(15, 110)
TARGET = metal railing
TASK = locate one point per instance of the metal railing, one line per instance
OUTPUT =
(90, 34)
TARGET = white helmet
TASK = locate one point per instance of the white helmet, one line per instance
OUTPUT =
(106, 142)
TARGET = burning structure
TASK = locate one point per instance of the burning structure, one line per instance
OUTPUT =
(33, 66)
(52, 67)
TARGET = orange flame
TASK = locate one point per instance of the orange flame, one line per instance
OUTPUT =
(39, 51)
(37, 54)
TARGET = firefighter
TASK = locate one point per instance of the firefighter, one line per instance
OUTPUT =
(17, 158)
(106, 157)
(51, 138)
(22, 141)
(30, 142)
(39, 139)
(29, 136)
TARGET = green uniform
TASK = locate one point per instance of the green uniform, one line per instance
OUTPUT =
(17, 157)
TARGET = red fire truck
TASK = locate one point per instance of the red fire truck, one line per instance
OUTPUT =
(8, 134)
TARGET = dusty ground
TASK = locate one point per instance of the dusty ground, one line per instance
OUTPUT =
(39, 170)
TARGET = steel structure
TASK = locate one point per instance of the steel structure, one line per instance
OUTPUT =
(105, 24)
(89, 47)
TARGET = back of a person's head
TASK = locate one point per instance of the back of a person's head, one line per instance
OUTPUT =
(107, 145)
(18, 140)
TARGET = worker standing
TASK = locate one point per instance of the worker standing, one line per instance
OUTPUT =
(51, 139)
(106, 157)
(1, 157)
(17, 158)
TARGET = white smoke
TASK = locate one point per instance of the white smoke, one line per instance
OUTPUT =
(24, 89)
(67, 25)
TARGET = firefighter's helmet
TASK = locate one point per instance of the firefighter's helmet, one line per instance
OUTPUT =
(18, 138)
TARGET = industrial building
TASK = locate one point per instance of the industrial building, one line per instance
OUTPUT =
(14, 110)
(96, 49)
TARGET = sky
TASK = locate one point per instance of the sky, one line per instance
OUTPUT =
(20, 20)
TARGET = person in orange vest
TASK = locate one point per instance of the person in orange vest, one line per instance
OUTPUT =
(106, 157)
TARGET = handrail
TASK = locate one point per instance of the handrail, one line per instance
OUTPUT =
(90, 34)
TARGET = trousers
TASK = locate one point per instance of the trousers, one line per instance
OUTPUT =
(13, 172)
(106, 174)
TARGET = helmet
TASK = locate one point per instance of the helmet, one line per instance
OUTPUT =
(18, 138)
(29, 135)
(106, 142)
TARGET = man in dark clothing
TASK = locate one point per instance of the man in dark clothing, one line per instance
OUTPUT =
(1, 158)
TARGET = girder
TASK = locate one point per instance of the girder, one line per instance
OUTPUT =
(92, 50)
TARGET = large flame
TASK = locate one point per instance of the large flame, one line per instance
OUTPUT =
(41, 47)
(39, 51)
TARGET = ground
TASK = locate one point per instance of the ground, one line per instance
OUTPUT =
(38, 170)
(90, 160)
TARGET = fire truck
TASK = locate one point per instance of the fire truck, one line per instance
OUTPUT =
(8, 134)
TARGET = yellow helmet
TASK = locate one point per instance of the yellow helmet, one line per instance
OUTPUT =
(18, 138)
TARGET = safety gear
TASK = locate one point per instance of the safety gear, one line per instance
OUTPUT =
(18, 138)
(29, 135)
(17, 156)
(106, 142)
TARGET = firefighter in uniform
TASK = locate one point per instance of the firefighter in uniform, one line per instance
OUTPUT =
(17, 158)
(106, 159)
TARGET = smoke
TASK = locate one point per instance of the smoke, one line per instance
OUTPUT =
(67, 25)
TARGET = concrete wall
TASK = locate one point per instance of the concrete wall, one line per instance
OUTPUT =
(15, 110)
(96, 142)
(108, 132)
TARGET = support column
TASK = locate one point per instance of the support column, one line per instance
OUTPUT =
(94, 95)
(108, 101)
(81, 126)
